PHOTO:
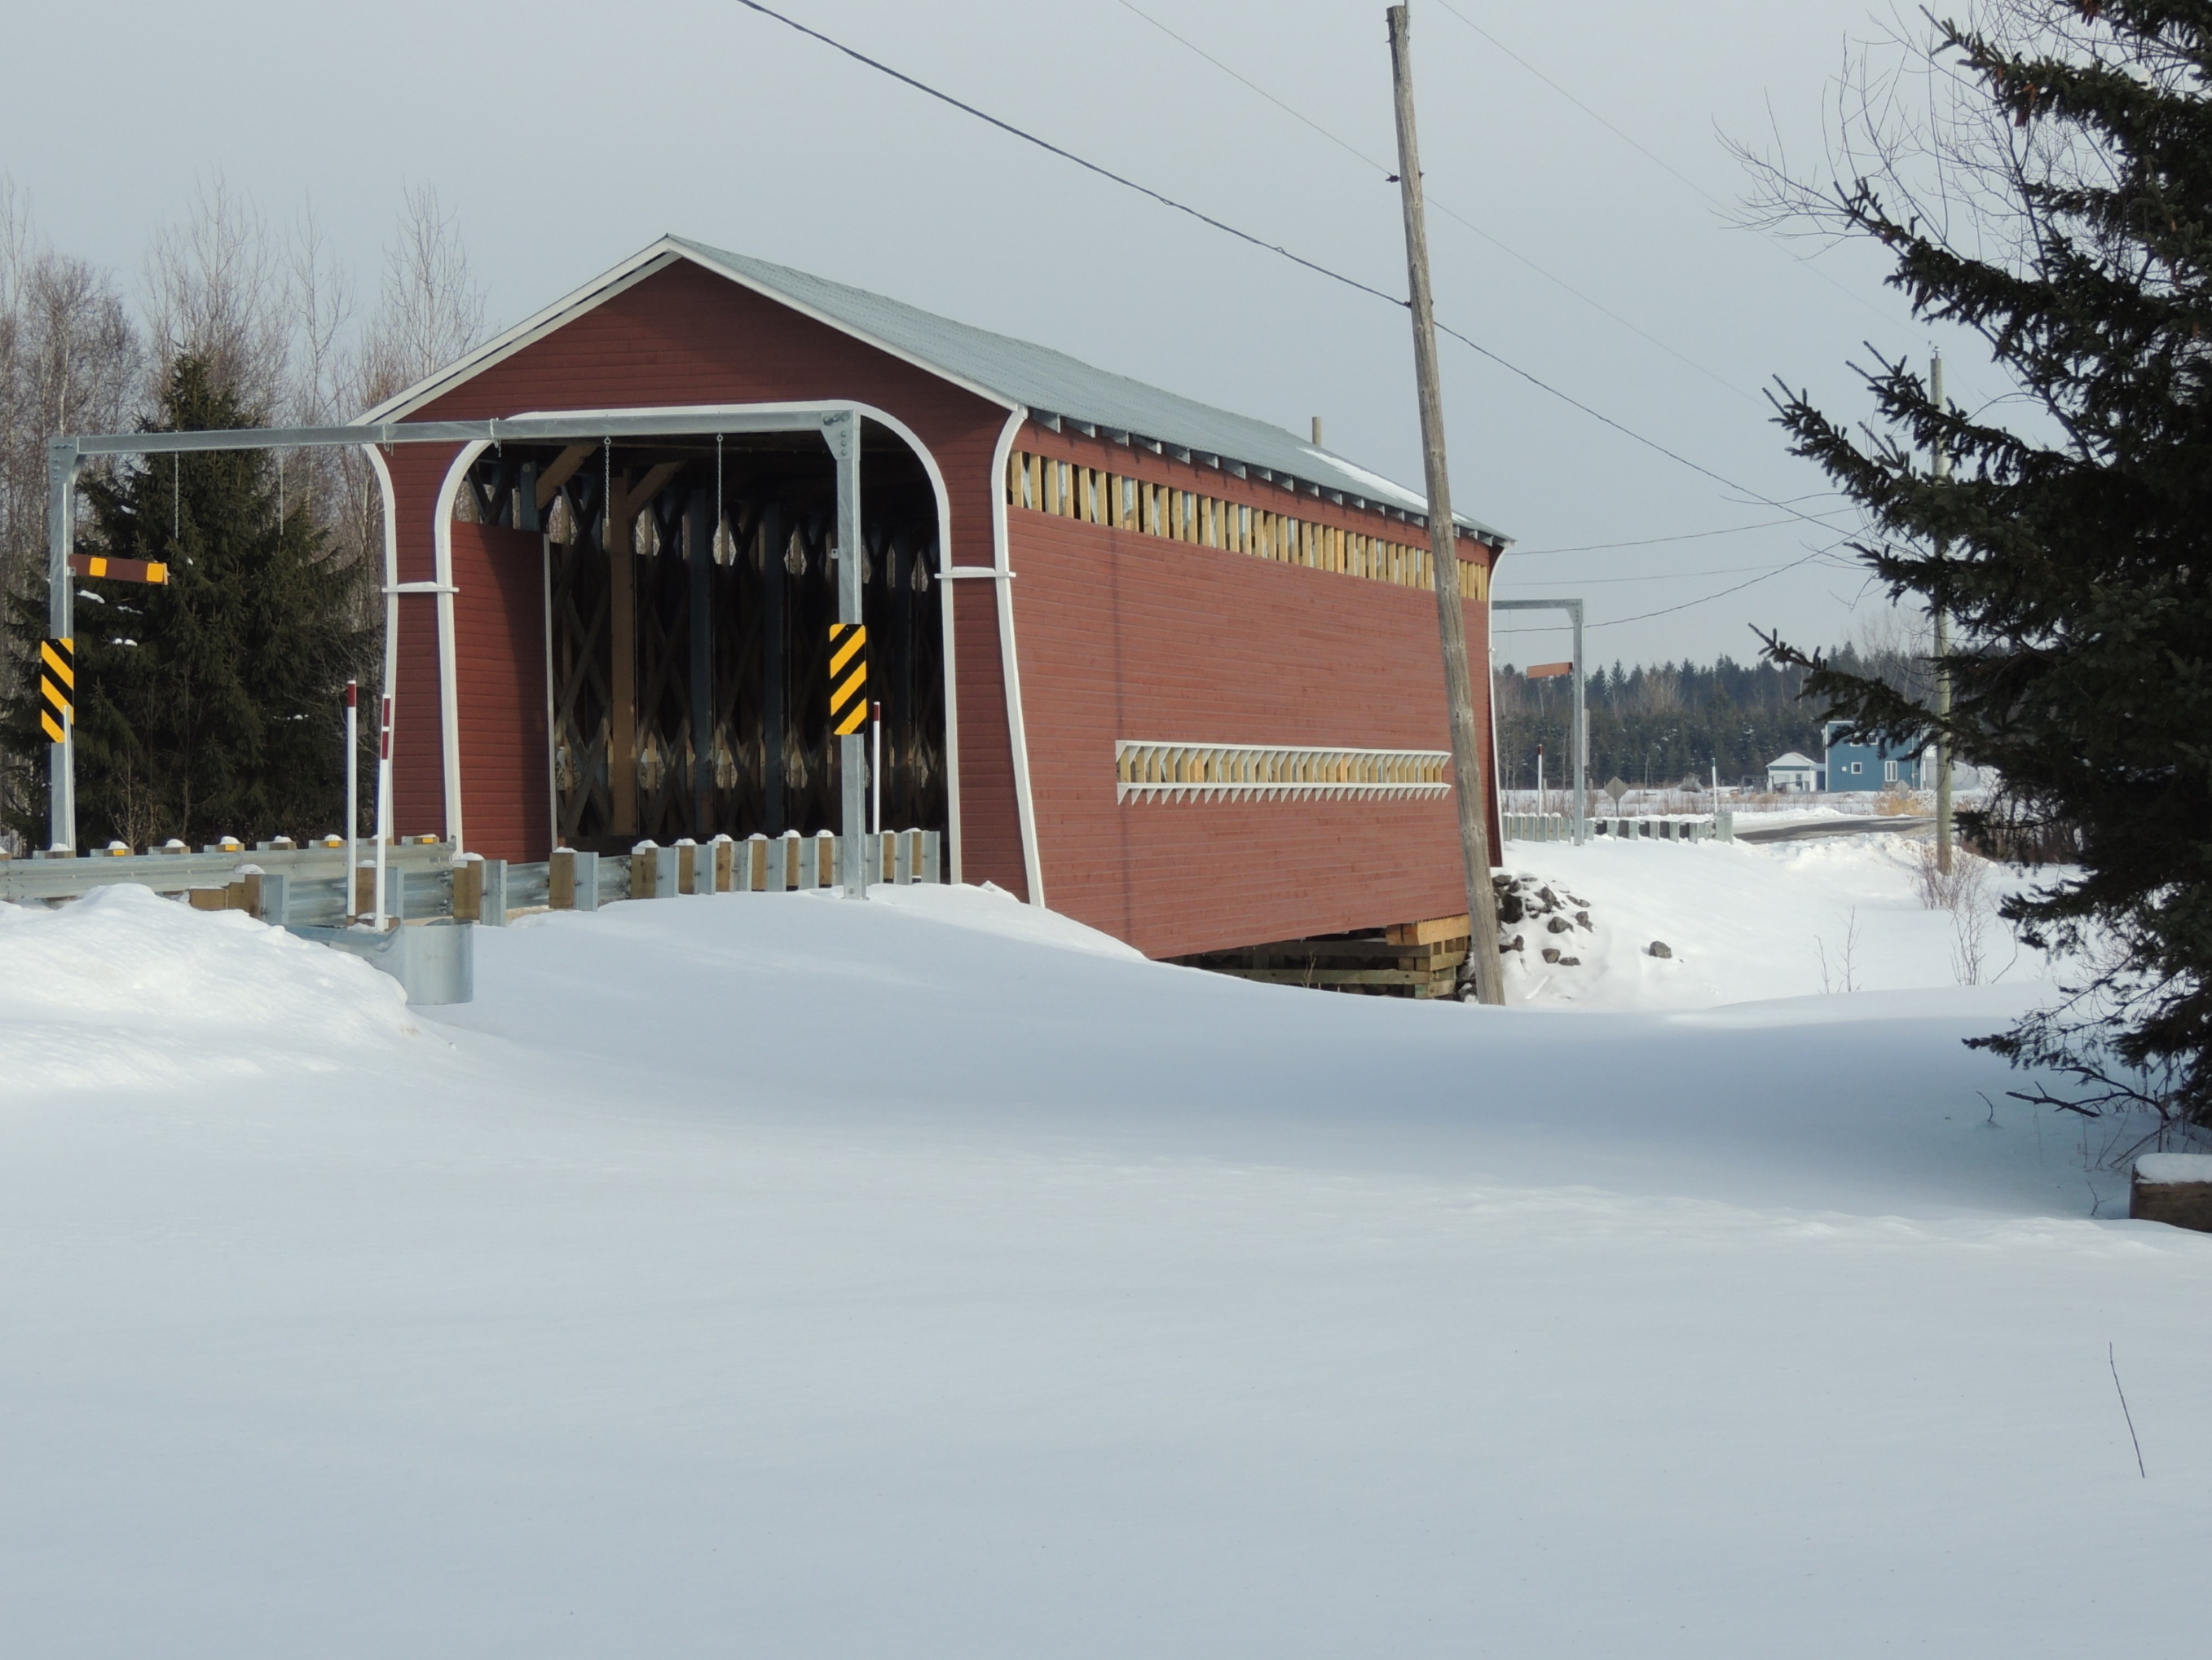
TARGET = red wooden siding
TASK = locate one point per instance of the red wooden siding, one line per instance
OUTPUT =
(686, 336)
(1122, 635)
(499, 653)
(1130, 636)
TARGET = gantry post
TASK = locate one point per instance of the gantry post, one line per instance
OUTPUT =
(62, 457)
(841, 432)
(1582, 733)
(1578, 739)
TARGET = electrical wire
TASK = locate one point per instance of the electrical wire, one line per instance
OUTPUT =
(1653, 157)
(1654, 541)
(1441, 207)
(1668, 575)
(1668, 610)
(1047, 145)
(1260, 242)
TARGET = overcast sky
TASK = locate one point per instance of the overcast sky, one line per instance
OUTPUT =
(568, 135)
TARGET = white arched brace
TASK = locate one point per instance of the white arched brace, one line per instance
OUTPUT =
(1018, 738)
(385, 702)
(449, 684)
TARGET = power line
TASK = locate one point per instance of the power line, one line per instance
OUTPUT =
(1046, 144)
(1654, 541)
(1650, 155)
(1626, 432)
(1260, 242)
(1668, 610)
(1661, 575)
(1443, 207)
(1653, 157)
(1294, 113)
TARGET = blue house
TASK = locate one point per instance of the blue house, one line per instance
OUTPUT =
(1870, 766)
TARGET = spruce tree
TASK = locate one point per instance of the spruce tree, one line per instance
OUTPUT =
(2073, 547)
(208, 705)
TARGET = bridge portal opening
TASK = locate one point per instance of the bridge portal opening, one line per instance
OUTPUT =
(690, 585)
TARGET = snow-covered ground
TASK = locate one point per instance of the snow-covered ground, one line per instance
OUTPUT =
(781, 1275)
(1746, 922)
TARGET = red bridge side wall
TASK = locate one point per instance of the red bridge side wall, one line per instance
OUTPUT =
(1125, 636)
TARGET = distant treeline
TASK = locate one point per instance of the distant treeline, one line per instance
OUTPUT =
(1659, 725)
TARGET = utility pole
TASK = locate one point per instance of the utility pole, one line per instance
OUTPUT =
(1942, 649)
(1483, 961)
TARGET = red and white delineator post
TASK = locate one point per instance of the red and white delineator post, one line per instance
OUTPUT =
(353, 796)
(383, 802)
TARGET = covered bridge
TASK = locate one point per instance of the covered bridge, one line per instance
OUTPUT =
(1170, 670)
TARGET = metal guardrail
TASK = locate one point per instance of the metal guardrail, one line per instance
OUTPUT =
(179, 871)
(1558, 827)
(1721, 827)
(305, 887)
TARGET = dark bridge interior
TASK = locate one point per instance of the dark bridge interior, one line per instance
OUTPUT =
(690, 629)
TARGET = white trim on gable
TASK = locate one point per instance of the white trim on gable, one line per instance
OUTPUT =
(627, 274)
(647, 262)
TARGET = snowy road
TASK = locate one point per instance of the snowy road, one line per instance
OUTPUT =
(788, 1276)
(1815, 829)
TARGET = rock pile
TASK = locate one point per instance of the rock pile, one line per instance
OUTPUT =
(1526, 906)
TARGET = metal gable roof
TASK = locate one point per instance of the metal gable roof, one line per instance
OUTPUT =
(1052, 387)
(1051, 384)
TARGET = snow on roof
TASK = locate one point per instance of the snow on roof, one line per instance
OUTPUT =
(1792, 761)
(1015, 373)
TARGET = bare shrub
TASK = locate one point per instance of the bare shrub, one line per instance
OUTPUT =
(216, 291)
(1840, 973)
(1896, 802)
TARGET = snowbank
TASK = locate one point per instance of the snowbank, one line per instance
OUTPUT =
(1746, 920)
(781, 1274)
(123, 989)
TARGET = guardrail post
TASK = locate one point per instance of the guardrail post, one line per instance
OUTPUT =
(491, 894)
(268, 894)
(468, 887)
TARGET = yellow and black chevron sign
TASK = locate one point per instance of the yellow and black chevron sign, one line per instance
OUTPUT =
(57, 687)
(848, 677)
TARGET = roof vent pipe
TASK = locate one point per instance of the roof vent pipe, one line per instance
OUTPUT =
(1316, 420)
